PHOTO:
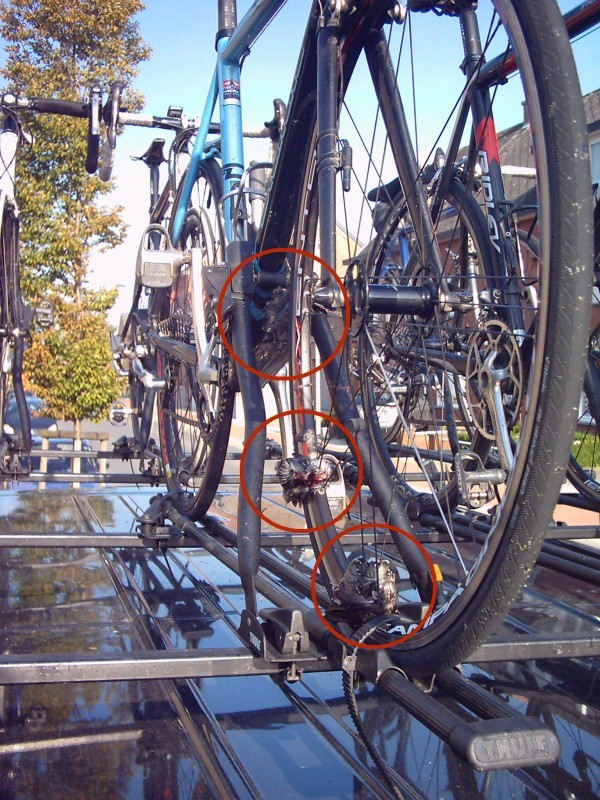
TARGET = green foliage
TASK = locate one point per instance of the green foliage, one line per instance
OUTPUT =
(60, 49)
(69, 364)
(586, 448)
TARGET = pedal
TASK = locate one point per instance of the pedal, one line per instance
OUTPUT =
(476, 486)
(156, 268)
(117, 346)
(119, 413)
(125, 447)
(273, 449)
(118, 367)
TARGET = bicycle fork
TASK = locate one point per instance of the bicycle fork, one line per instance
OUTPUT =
(249, 523)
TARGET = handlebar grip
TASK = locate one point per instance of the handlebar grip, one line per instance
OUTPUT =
(106, 162)
(93, 148)
(68, 108)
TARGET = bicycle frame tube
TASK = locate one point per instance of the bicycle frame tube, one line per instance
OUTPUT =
(230, 52)
(232, 145)
(225, 86)
(9, 143)
(249, 29)
(196, 158)
(485, 142)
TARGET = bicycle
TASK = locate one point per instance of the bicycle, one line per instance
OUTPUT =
(485, 380)
(16, 318)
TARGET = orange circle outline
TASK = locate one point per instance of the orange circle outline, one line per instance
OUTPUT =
(353, 444)
(265, 375)
(313, 586)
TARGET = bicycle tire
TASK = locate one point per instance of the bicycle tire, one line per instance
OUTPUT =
(478, 593)
(583, 467)
(194, 419)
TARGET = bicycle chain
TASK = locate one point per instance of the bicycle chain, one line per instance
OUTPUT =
(274, 333)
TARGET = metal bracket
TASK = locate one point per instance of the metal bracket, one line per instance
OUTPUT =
(152, 527)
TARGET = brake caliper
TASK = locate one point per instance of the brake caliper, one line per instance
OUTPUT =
(450, 7)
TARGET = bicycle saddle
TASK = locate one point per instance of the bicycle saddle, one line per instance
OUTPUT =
(154, 155)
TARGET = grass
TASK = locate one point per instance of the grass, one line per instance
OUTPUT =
(586, 449)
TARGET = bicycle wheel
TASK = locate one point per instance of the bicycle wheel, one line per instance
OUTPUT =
(196, 407)
(495, 360)
(583, 469)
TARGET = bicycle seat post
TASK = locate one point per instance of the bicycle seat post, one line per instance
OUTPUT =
(153, 158)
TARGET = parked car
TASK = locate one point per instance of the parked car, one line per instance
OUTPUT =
(40, 420)
(58, 464)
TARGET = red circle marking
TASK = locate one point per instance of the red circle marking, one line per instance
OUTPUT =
(353, 444)
(265, 375)
(331, 629)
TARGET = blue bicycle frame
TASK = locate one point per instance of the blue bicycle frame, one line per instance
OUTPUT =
(225, 87)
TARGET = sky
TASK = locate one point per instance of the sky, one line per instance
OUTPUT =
(181, 35)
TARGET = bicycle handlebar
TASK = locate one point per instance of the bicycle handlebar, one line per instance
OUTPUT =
(89, 110)
(67, 108)
(113, 115)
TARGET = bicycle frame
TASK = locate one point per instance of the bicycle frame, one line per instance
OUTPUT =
(9, 144)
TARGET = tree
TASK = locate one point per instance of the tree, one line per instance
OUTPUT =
(61, 48)
(69, 366)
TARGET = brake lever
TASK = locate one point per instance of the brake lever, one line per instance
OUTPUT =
(111, 118)
(93, 141)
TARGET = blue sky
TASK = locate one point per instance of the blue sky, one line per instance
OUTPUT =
(181, 35)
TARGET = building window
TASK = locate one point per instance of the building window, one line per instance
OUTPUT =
(595, 160)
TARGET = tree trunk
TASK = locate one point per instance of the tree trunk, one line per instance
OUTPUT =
(77, 446)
